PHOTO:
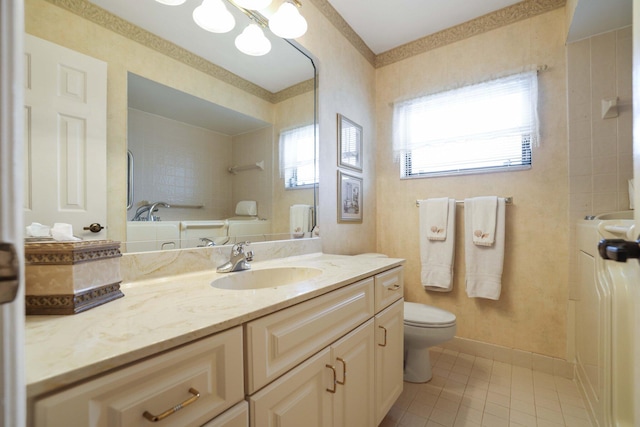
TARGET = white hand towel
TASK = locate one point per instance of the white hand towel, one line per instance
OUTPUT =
(437, 256)
(436, 216)
(484, 263)
(299, 219)
(483, 217)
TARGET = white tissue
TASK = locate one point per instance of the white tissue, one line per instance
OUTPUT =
(63, 232)
(38, 230)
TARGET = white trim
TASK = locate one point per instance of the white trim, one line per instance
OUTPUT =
(12, 366)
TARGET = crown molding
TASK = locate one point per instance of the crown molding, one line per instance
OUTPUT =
(508, 15)
(491, 21)
(106, 19)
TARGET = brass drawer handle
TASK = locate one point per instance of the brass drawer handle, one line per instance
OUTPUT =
(385, 336)
(394, 287)
(155, 418)
(344, 371)
(334, 379)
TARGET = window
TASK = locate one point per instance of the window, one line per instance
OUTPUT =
(297, 157)
(485, 127)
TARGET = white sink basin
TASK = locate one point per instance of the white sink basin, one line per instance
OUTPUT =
(265, 278)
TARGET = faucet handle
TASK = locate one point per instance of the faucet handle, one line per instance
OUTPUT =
(238, 248)
(249, 256)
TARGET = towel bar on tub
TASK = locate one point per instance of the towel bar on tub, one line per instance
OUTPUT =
(508, 200)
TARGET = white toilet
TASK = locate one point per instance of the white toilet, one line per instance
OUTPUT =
(424, 327)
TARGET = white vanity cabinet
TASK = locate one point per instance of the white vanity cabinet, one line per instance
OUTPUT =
(332, 360)
(354, 336)
(204, 377)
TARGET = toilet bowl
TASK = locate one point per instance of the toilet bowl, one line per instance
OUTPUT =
(424, 327)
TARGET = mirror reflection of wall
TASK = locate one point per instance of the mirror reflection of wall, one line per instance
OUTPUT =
(183, 147)
(130, 47)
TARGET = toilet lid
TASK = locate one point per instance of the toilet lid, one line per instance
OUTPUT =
(416, 314)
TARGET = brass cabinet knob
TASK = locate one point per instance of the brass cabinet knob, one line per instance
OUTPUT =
(94, 228)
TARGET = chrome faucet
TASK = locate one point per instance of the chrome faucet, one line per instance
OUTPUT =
(154, 208)
(239, 259)
(206, 242)
(142, 209)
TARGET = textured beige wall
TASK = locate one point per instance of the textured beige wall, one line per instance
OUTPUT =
(347, 86)
(254, 184)
(531, 313)
(59, 26)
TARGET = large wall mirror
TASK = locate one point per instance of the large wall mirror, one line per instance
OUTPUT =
(202, 143)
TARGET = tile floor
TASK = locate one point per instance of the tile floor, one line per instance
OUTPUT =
(469, 391)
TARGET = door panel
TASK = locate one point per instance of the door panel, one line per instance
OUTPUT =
(65, 126)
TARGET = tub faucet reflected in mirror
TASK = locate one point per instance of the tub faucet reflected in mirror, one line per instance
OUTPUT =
(149, 209)
(239, 259)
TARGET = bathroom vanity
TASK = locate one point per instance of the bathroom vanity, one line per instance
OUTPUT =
(325, 351)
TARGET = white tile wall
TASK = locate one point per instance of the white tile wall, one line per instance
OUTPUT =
(183, 164)
(600, 150)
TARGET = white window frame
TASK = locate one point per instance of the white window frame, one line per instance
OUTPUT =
(448, 134)
(298, 152)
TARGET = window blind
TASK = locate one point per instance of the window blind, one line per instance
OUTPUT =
(487, 126)
(297, 156)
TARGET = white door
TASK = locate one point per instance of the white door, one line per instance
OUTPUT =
(12, 374)
(636, 164)
(65, 151)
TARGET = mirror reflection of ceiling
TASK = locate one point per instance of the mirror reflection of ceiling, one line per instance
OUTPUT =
(175, 24)
(155, 98)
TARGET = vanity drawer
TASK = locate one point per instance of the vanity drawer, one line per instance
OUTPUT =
(211, 367)
(278, 342)
(389, 287)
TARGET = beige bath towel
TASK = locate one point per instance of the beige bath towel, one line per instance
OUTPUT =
(437, 256)
(484, 263)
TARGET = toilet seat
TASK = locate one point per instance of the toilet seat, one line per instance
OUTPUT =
(426, 316)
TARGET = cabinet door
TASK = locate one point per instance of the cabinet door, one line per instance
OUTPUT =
(389, 357)
(354, 360)
(278, 342)
(299, 398)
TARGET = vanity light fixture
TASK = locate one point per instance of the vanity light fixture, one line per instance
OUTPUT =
(287, 22)
(252, 4)
(213, 16)
(252, 41)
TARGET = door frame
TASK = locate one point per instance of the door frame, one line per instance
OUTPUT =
(12, 365)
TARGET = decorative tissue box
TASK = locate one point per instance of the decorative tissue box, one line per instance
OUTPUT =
(71, 277)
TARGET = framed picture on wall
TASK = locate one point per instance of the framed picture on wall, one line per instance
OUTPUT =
(349, 198)
(349, 144)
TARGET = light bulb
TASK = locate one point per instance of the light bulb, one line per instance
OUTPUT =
(212, 16)
(252, 41)
(171, 2)
(252, 4)
(287, 22)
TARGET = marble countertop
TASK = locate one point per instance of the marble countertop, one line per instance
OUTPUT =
(163, 313)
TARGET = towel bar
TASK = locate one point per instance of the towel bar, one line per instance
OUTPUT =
(508, 200)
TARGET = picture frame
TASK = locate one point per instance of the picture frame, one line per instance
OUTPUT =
(349, 198)
(349, 144)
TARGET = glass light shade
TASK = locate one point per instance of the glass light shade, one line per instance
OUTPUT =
(171, 2)
(212, 16)
(252, 41)
(252, 4)
(287, 22)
